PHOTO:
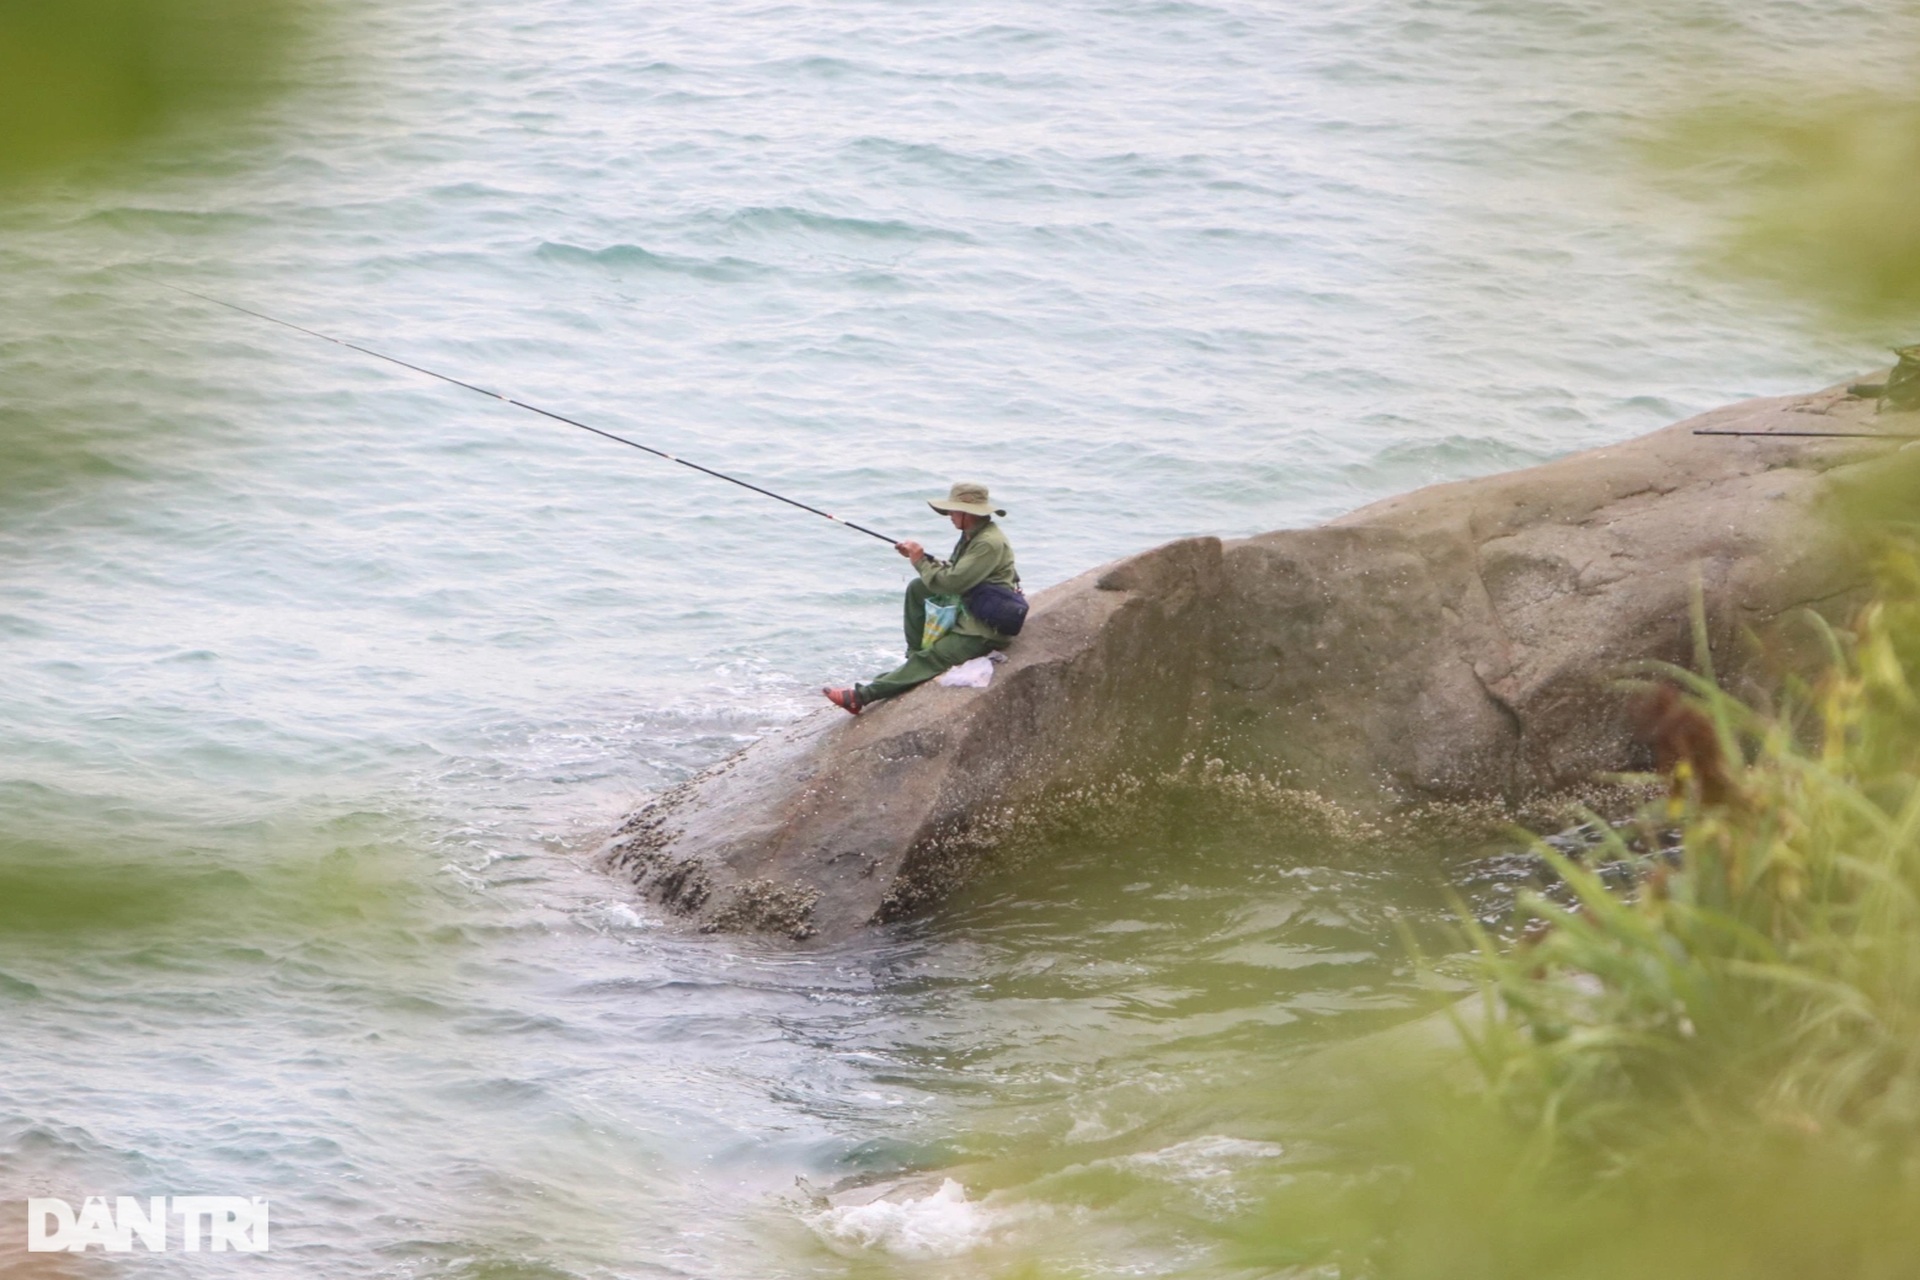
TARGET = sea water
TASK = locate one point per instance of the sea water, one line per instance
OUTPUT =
(320, 680)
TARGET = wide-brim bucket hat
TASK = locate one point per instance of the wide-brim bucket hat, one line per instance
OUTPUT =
(970, 498)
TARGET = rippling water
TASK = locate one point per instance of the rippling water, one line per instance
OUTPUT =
(319, 680)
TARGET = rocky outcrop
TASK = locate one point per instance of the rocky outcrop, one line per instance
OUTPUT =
(1456, 643)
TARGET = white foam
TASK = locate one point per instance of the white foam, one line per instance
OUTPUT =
(618, 915)
(1089, 1128)
(1210, 1166)
(1211, 1156)
(943, 1224)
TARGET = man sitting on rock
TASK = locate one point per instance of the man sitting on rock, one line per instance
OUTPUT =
(953, 607)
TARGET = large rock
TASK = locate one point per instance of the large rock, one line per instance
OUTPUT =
(1456, 643)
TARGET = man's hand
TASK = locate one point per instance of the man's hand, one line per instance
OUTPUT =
(911, 550)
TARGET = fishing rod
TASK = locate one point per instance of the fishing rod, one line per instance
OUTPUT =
(531, 408)
(1816, 435)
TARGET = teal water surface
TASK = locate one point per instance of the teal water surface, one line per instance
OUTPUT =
(321, 680)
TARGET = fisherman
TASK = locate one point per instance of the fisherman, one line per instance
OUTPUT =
(949, 605)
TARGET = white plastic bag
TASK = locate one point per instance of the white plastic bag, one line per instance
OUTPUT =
(976, 673)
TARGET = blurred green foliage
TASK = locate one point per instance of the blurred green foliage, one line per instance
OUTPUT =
(1880, 506)
(1459, 1196)
(79, 77)
(1819, 193)
(1716, 1072)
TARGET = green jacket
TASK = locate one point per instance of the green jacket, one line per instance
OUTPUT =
(982, 556)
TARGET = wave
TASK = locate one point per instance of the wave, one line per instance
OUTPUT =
(774, 218)
(631, 257)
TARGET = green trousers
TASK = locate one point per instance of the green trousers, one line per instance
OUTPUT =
(922, 665)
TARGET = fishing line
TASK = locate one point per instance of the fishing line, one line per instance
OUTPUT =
(531, 408)
(1816, 435)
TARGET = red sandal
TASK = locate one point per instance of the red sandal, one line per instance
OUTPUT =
(845, 699)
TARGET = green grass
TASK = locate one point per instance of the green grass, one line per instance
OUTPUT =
(1715, 1073)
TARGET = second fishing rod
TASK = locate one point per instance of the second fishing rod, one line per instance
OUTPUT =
(532, 408)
